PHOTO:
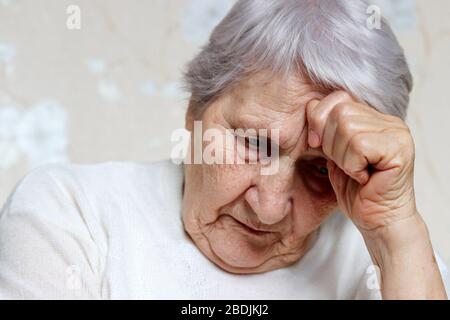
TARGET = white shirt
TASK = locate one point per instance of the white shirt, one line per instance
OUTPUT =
(114, 230)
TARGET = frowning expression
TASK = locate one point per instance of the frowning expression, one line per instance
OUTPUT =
(244, 221)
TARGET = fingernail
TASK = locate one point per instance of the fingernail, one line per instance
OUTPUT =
(313, 139)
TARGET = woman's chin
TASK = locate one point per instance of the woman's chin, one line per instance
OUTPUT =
(239, 253)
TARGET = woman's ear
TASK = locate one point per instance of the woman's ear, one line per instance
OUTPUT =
(189, 119)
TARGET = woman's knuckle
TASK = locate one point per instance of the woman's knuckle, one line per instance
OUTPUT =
(347, 127)
(342, 95)
(357, 143)
(316, 119)
(406, 144)
(341, 111)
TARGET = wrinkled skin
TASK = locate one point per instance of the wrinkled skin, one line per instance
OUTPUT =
(286, 208)
(247, 222)
(333, 152)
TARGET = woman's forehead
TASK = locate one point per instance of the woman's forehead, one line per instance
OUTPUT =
(281, 94)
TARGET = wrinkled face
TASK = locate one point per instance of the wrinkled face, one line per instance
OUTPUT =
(242, 220)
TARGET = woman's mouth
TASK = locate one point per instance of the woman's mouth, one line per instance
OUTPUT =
(250, 229)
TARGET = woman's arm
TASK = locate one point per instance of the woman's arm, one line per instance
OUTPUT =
(46, 247)
(405, 256)
(371, 168)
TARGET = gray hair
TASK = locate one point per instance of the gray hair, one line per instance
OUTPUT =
(326, 41)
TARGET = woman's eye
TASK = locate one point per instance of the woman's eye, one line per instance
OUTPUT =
(317, 167)
(254, 142)
(323, 170)
(258, 143)
(262, 145)
(258, 147)
(314, 173)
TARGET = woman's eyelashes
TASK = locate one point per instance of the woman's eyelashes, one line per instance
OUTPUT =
(253, 142)
(255, 147)
(320, 167)
(260, 144)
(314, 173)
(316, 165)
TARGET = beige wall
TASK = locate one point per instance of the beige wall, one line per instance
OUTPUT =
(110, 90)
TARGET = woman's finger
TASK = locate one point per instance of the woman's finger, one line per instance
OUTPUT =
(342, 132)
(317, 113)
(363, 149)
(341, 122)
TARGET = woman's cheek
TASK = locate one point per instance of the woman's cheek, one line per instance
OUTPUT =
(315, 189)
(226, 183)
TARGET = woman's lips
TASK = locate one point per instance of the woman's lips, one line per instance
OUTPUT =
(251, 229)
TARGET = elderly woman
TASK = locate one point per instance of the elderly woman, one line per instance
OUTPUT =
(336, 215)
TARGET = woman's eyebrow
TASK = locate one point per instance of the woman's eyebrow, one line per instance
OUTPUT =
(314, 152)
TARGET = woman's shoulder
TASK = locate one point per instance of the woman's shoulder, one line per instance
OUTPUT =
(94, 185)
(79, 212)
(100, 173)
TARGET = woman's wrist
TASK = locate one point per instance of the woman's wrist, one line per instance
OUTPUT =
(397, 238)
(404, 254)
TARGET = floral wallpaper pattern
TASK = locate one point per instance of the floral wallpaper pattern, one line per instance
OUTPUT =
(39, 134)
(110, 90)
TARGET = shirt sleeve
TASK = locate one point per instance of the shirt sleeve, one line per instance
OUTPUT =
(46, 247)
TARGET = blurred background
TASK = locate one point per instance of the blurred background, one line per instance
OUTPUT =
(107, 87)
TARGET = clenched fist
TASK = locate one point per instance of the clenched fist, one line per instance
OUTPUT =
(370, 166)
(371, 159)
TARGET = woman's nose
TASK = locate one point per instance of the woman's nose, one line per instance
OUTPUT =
(270, 198)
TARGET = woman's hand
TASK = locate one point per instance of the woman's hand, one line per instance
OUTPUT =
(371, 168)
(371, 159)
